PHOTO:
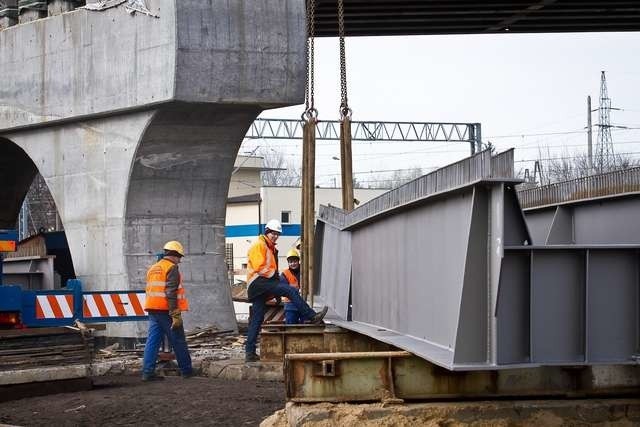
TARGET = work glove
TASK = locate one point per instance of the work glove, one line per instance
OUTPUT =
(176, 318)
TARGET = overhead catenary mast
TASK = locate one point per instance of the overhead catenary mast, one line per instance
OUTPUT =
(605, 157)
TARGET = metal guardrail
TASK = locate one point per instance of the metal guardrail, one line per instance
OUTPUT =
(606, 184)
(480, 166)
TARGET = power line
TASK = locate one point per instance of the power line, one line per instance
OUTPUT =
(534, 134)
(327, 143)
(369, 156)
(570, 157)
(381, 171)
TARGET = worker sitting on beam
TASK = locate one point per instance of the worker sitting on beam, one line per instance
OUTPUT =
(264, 284)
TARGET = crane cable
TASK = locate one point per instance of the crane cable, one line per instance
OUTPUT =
(345, 120)
(345, 111)
(309, 95)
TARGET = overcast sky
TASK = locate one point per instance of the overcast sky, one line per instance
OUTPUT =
(516, 86)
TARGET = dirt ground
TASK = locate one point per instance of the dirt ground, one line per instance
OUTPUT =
(126, 400)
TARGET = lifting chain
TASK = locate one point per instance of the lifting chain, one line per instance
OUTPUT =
(309, 95)
(345, 111)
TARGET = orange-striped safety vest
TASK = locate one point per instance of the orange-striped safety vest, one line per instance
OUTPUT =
(156, 298)
(292, 280)
(262, 260)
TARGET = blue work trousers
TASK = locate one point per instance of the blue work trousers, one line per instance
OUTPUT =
(159, 327)
(259, 305)
(291, 314)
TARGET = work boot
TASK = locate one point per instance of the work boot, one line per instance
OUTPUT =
(151, 377)
(251, 357)
(188, 375)
(317, 319)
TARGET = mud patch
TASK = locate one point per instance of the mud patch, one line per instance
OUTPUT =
(126, 400)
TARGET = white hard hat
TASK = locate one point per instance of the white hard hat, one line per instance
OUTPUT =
(273, 225)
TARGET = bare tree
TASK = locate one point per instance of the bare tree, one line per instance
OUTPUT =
(358, 184)
(569, 166)
(281, 173)
(397, 178)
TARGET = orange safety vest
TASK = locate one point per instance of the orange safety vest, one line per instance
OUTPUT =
(156, 298)
(262, 260)
(292, 280)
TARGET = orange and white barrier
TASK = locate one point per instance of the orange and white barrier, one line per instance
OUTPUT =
(54, 306)
(126, 304)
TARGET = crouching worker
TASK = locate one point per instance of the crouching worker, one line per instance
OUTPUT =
(264, 284)
(165, 301)
(291, 277)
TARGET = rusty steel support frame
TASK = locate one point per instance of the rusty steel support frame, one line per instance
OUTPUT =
(396, 376)
(278, 340)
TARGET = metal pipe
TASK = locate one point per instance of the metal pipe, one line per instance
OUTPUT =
(345, 356)
(477, 131)
(589, 134)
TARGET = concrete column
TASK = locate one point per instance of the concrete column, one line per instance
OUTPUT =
(31, 10)
(8, 13)
(86, 167)
(178, 191)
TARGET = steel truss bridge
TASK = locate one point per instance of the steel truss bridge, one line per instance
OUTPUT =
(372, 131)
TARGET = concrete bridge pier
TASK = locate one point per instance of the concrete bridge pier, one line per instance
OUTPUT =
(179, 191)
(135, 122)
(120, 199)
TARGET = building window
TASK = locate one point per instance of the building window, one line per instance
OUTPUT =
(284, 217)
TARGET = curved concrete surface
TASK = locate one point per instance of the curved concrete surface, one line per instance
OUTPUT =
(134, 122)
(17, 171)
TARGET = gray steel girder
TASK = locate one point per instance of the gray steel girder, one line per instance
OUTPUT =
(445, 267)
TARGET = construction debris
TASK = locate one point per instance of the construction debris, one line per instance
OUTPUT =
(29, 348)
(204, 343)
(131, 7)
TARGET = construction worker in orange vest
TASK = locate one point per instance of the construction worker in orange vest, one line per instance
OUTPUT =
(165, 301)
(291, 277)
(263, 281)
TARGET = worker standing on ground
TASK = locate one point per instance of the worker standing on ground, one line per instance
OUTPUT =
(291, 277)
(165, 301)
(264, 284)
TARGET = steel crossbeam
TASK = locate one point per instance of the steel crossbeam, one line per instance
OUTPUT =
(372, 131)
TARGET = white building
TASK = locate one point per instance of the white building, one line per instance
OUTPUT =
(251, 205)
